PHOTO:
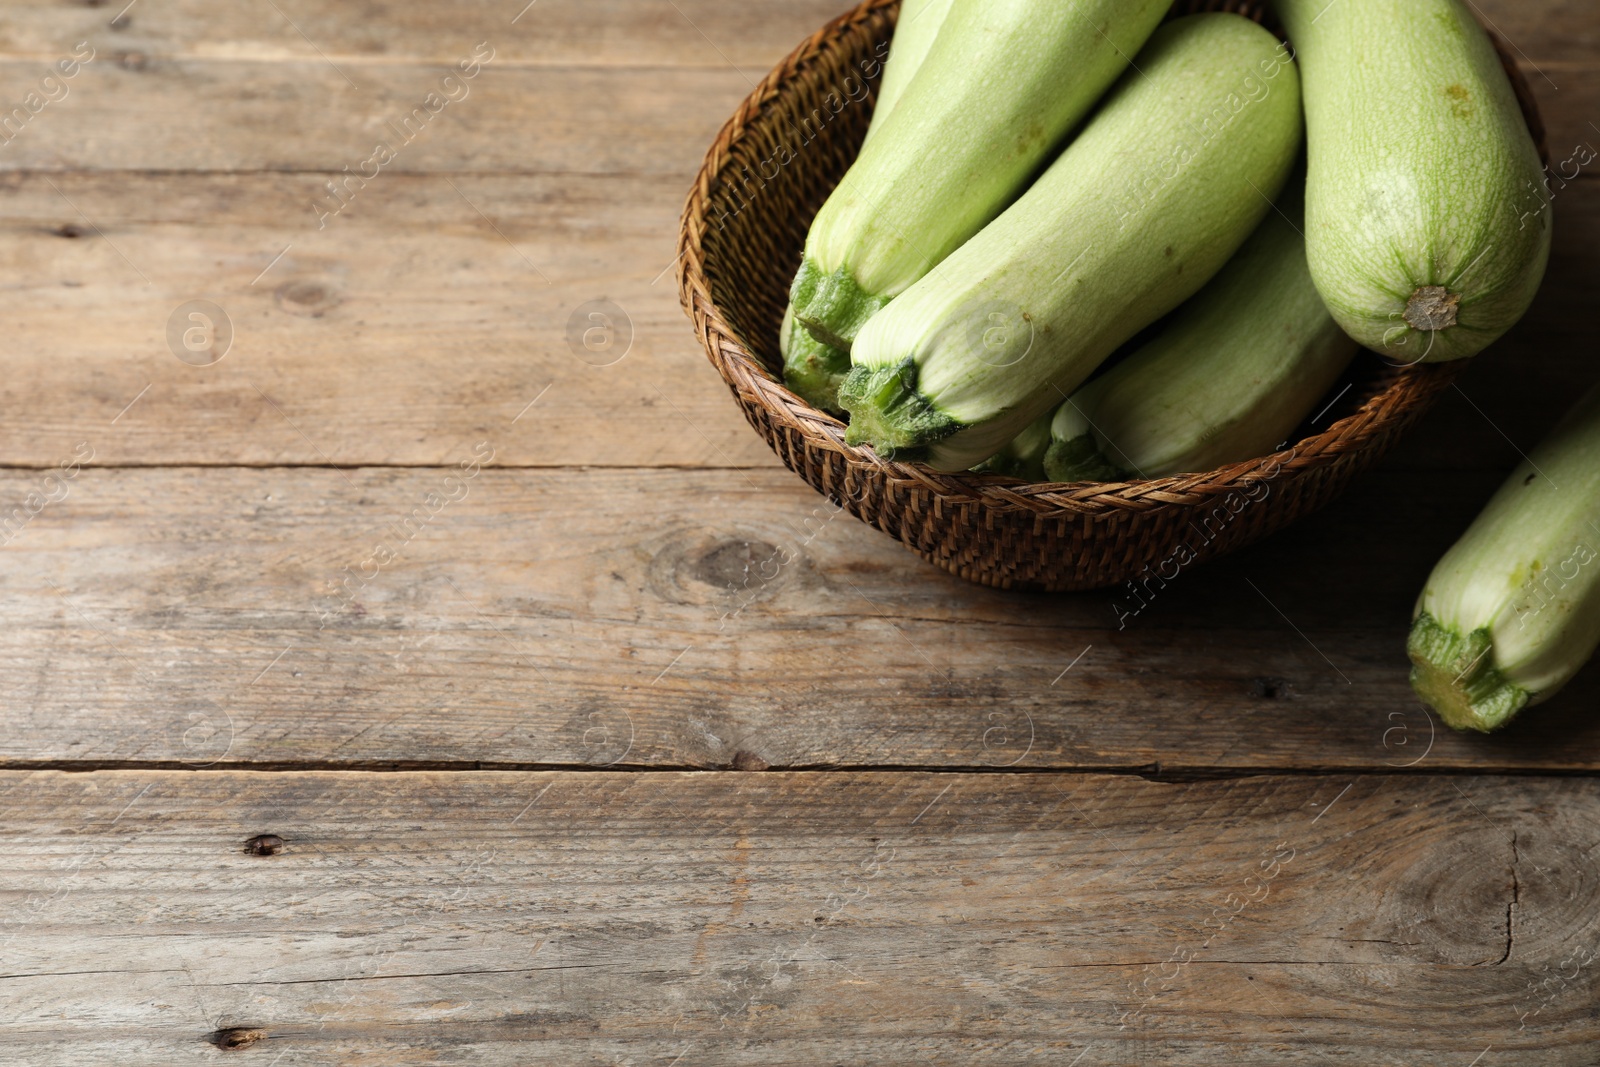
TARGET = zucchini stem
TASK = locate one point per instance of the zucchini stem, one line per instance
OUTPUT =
(1432, 307)
(812, 369)
(1457, 676)
(832, 306)
(1080, 460)
(887, 411)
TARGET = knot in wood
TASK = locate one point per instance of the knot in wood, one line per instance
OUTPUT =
(264, 845)
(307, 299)
(237, 1037)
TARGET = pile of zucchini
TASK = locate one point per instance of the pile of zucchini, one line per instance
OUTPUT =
(1043, 180)
(1047, 182)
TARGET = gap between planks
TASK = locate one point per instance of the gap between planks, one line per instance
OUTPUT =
(1157, 773)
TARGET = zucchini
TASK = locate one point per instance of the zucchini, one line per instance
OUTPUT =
(810, 367)
(1153, 197)
(1228, 379)
(1420, 236)
(914, 33)
(1001, 85)
(1512, 611)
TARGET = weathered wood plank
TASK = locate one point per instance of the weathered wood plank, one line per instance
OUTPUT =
(641, 33)
(184, 115)
(430, 313)
(655, 618)
(797, 918)
(568, 87)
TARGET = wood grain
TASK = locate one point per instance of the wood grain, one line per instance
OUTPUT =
(655, 618)
(212, 115)
(632, 583)
(619, 86)
(797, 918)
(571, 33)
(432, 312)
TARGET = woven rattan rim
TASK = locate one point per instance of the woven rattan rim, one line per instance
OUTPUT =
(753, 382)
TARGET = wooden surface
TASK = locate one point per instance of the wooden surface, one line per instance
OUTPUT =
(509, 765)
(787, 918)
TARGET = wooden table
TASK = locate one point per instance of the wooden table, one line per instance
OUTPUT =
(392, 689)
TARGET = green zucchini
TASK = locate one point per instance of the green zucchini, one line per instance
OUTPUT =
(1227, 379)
(810, 367)
(914, 33)
(1428, 221)
(1001, 85)
(1150, 200)
(1512, 611)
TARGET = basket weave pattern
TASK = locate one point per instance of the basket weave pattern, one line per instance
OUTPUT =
(743, 228)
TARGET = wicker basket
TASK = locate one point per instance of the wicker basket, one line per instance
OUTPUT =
(742, 233)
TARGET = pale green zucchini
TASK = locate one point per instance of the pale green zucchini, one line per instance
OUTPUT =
(1001, 85)
(810, 367)
(1429, 220)
(1227, 379)
(914, 32)
(1149, 201)
(1512, 611)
